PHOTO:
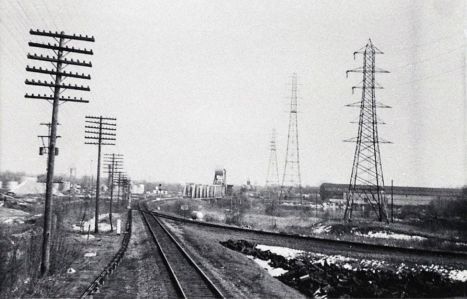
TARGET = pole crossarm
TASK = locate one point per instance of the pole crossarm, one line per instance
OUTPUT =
(51, 98)
(103, 133)
(100, 123)
(58, 48)
(100, 117)
(97, 143)
(99, 138)
(115, 162)
(48, 136)
(55, 73)
(62, 35)
(103, 128)
(57, 60)
(51, 84)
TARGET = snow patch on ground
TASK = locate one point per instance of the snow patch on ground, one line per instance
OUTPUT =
(86, 236)
(13, 220)
(320, 229)
(104, 225)
(12, 216)
(288, 253)
(274, 272)
(389, 235)
(460, 275)
(352, 264)
(334, 259)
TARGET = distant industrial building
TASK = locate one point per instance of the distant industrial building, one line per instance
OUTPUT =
(218, 189)
(137, 188)
(402, 195)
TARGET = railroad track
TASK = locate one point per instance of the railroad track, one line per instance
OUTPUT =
(187, 278)
(312, 243)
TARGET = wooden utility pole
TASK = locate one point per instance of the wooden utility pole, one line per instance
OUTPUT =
(59, 62)
(122, 183)
(114, 163)
(392, 201)
(119, 184)
(99, 130)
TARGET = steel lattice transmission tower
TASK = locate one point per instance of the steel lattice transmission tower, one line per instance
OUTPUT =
(272, 178)
(366, 180)
(291, 177)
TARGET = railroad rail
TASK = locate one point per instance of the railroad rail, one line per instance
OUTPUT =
(187, 278)
(348, 245)
(112, 265)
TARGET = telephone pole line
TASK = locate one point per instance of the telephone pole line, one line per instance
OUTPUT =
(121, 176)
(57, 86)
(114, 163)
(99, 131)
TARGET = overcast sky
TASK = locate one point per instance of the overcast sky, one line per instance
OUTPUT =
(197, 85)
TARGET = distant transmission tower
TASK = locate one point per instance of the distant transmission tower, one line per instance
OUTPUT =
(272, 178)
(291, 177)
(366, 180)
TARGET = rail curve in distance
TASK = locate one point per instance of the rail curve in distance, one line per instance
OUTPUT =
(322, 242)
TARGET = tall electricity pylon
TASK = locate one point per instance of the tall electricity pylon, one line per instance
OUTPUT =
(366, 180)
(59, 60)
(291, 177)
(272, 177)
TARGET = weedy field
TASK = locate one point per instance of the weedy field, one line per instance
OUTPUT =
(438, 225)
(20, 248)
